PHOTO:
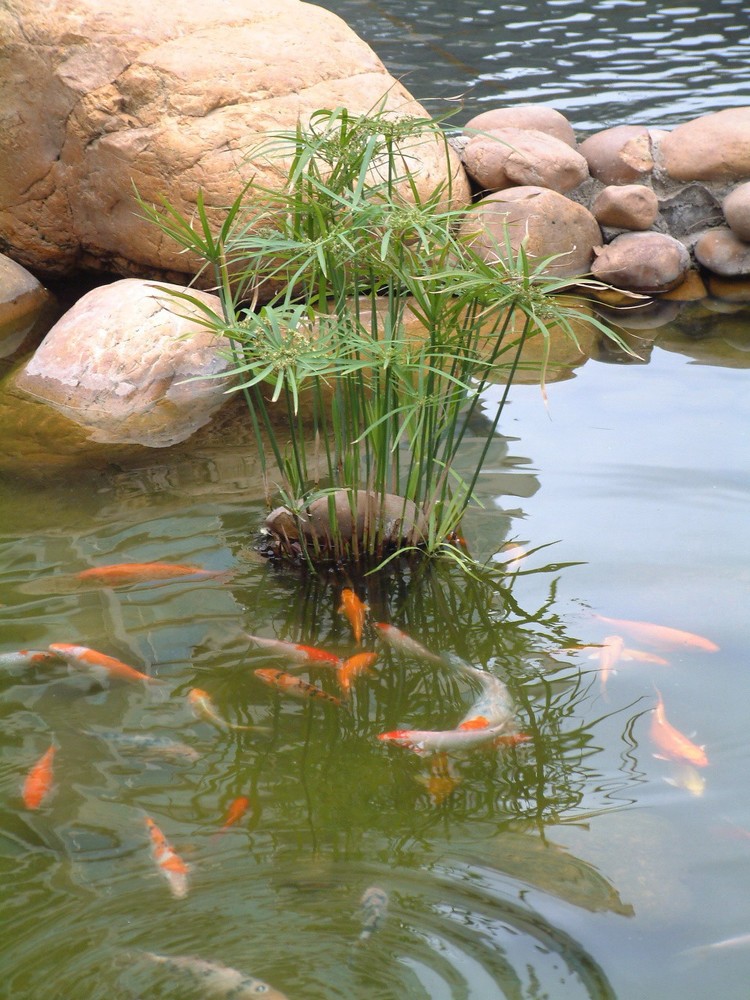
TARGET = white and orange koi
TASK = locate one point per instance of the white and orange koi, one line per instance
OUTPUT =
(352, 667)
(661, 635)
(296, 652)
(294, 686)
(404, 643)
(218, 980)
(441, 780)
(673, 744)
(169, 863)
(203, 708)
(28, 658)
(103, 667)
(422, 741)
(355, 611)
(38, 783)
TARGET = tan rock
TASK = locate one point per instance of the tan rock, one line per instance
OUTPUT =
(720, 251)
(545, 221)
(736, 208)
(506, 157)
(626, 206)
(642, 262)
(98, 98)
(620, 155)
(528, 116)
(21, 294)
(691, 289)
(714, 147)
(734, 290)
(117, 364)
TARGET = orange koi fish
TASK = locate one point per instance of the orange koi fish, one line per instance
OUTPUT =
(237, 809)
(297, 652)
(404, 643)
(662, 635)
(358, 664)
(103, 667)
(441, 780)
(673, 744)
(218, 980)
(294, 686)
(203, 708)
(122, 574)
(169, 863)
(355, 611)
(38, 781)
(28, 658)
(613, 650)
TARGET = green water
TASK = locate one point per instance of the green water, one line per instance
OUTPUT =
(565, 867)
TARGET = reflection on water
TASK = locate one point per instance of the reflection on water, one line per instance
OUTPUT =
(612, 62)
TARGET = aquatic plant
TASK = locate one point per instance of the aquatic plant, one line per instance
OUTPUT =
(362, 331)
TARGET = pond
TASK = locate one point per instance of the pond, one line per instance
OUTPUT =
(575, 864)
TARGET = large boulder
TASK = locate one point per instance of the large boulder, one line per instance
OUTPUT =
(544, 221)
(131, 365)
(714, 147)
(98, 98)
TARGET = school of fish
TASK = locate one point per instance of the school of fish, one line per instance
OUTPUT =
(489, 720)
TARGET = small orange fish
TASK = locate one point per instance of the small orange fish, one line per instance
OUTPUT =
(296, 651)
(294, 686)
(237, 809)
(122, 574)
(169, 863)
(38, 781)
(661, 635)
(358, 664)
(102, 666)
(441, 780)
(673, 744)
(355, 611)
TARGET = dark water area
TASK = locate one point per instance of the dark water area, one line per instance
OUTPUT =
(585, 863)
(617, 62)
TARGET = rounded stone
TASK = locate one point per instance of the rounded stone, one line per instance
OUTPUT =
(626, 206)
(642, 262)
(720, 251)
(20, 292)
(736, 208)
(715, 147)
(538, 117)
(508, 157)
(546, 222)
(620, 155)
(131, 365)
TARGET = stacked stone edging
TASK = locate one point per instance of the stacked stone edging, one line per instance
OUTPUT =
(690, 184)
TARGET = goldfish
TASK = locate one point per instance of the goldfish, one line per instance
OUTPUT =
(218, 980)
(237, 809)
(147, 743)
(297, 652)
(294, 686)
(355, 611)
(28, 658)
(360, 663)
(689, 779)
(103, 667)
(441, 780)
(404, 643)
(430, 741)
(673, 744)
(662, 635)
(122, 574)
(374, 908)
(613, 650)
(38, 781)
(169, 863)
(203, 708)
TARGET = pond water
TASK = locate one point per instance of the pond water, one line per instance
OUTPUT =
(574, 865)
